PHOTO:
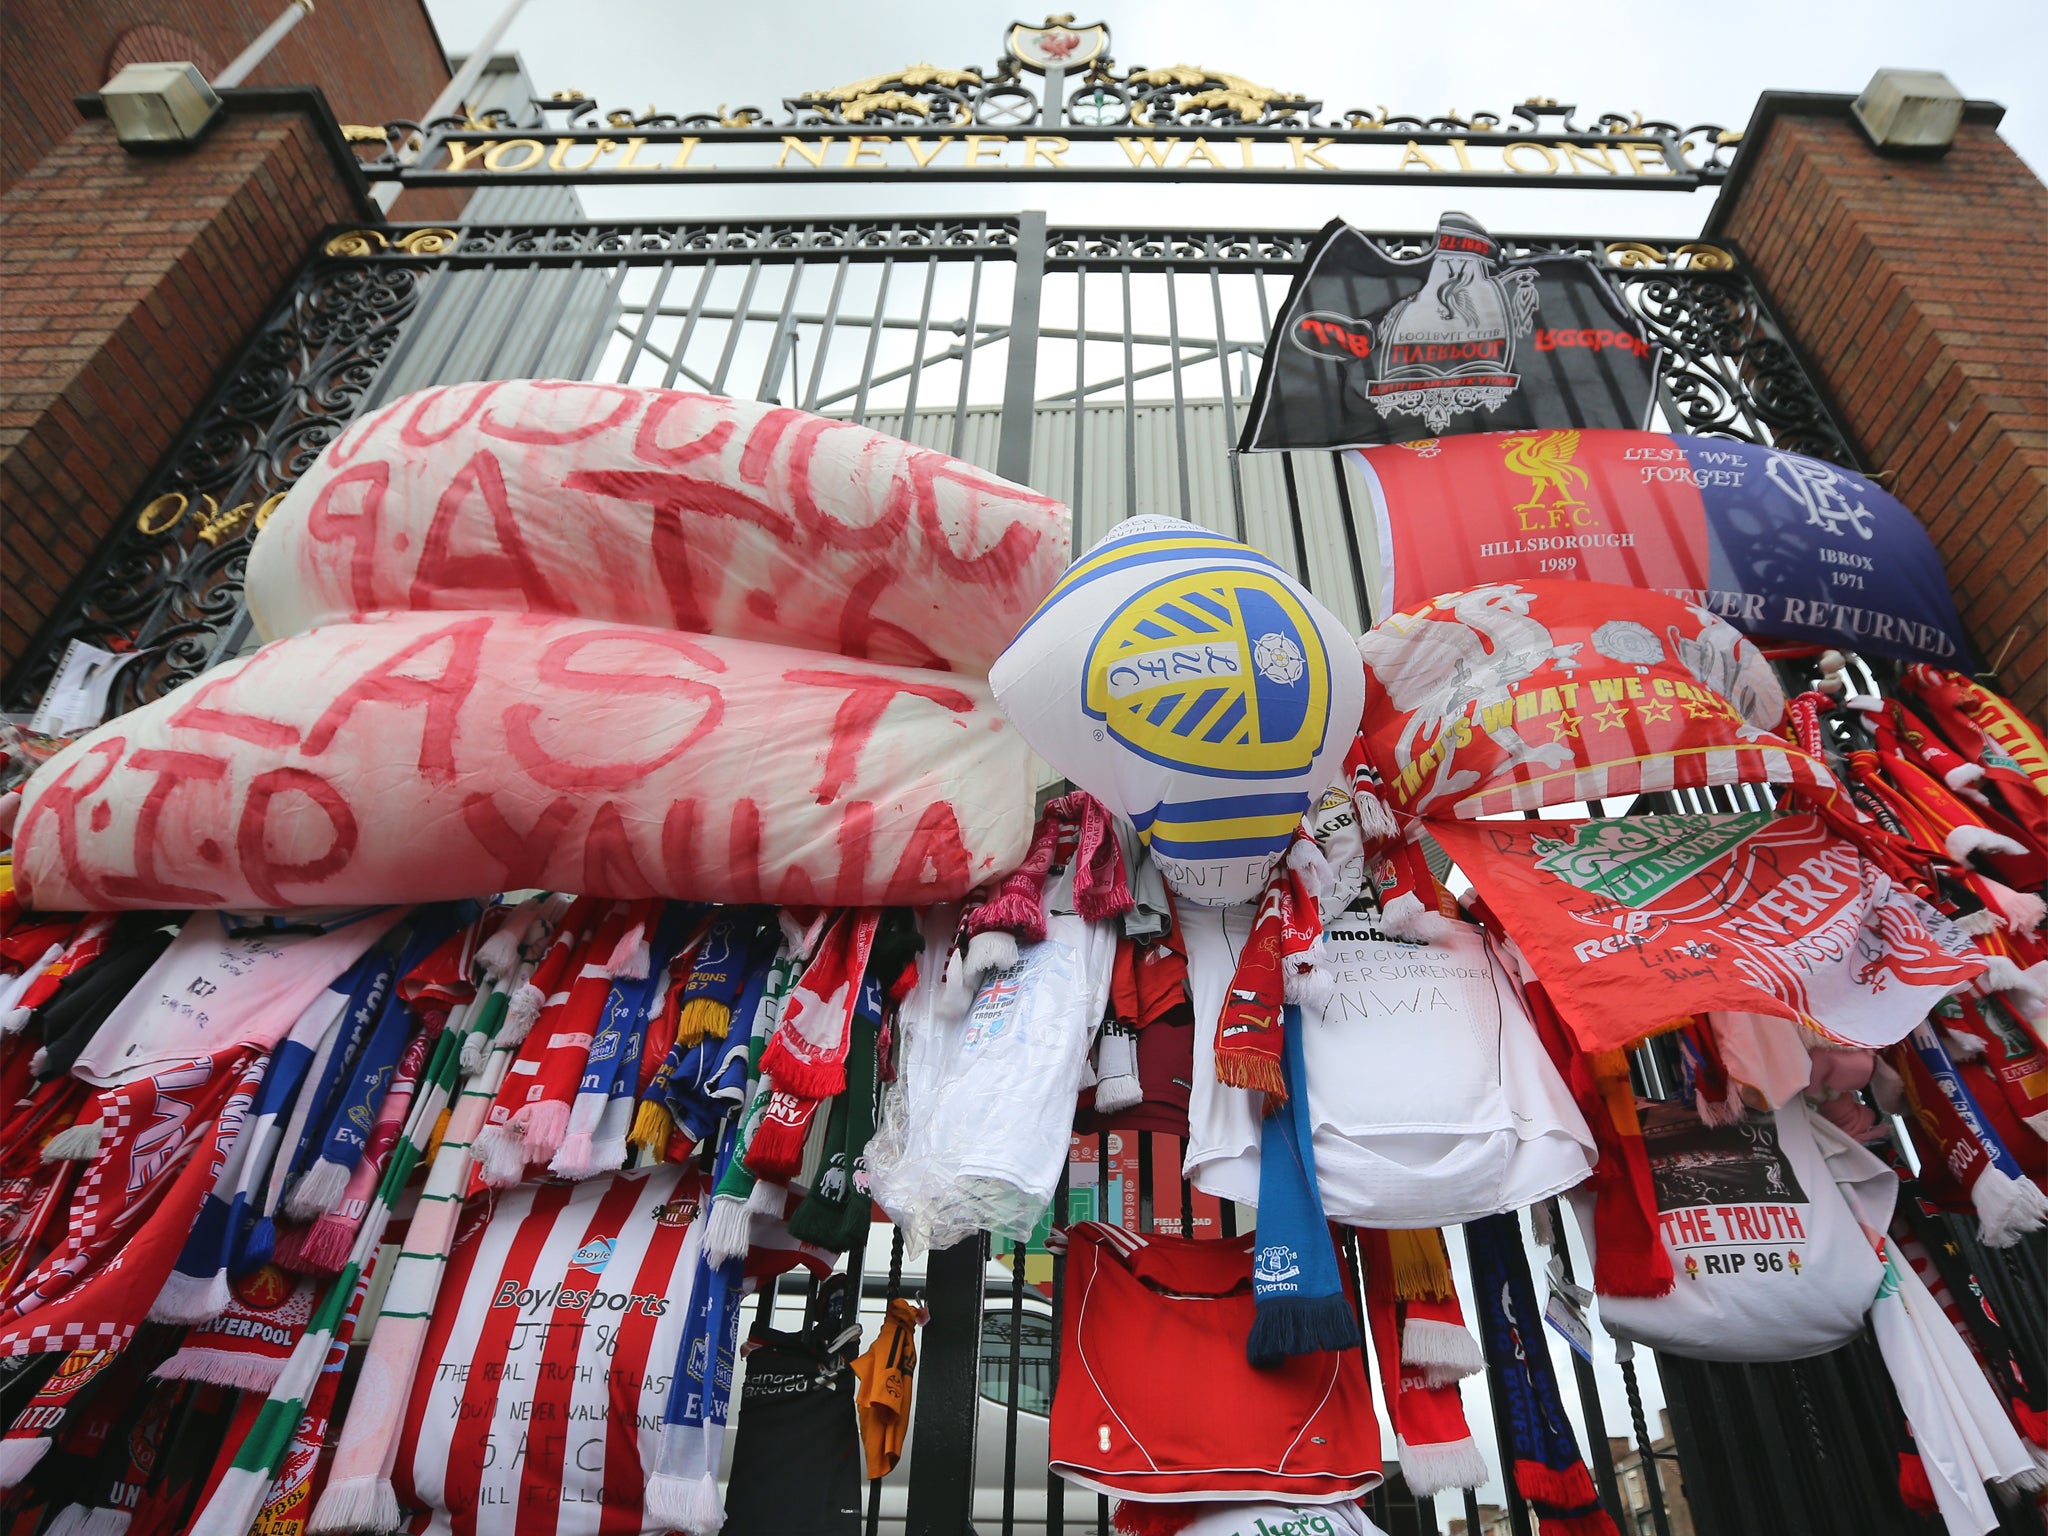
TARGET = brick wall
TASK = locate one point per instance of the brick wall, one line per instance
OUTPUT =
(374, 59)
(127, 284)
(1917, 290)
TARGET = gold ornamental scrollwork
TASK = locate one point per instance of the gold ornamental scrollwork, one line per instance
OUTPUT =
(161, 515)
(1704, 258)
(1634, 253)
(368, 242)
(1231, 93)
(364, 133)
(213, 524)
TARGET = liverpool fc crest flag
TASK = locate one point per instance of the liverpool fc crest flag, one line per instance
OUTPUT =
(1370, 348)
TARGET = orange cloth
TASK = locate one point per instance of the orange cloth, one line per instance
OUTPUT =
(883, 1401)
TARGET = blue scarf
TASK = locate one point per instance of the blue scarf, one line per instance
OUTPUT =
(1542, 1450)
(1297, 1288)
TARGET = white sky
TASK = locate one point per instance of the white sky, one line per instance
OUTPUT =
(1693, 63)
(1696, 63)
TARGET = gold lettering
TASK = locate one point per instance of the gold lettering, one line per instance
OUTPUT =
(1657, 166)
(631, 162)
(977, 153)
(1464, 160)
(1047, 149)
(683, 152)
(796, 146)
(459, 155)
(493, 160)
(1201, 147)
(917, 150)
(1144, 151)
(864, 149)
(1244, 149)
(1304, 157)
(558, 161)
(1507, 158)
(1592, 155)
(161, 515)
(1415, 154)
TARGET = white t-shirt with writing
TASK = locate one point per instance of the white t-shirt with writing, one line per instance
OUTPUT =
(1431, 1097)
(1764, 1221)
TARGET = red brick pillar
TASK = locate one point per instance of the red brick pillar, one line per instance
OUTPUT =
(1917, 290)
(127, 284)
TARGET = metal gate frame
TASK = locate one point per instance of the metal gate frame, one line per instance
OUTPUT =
(169, 581)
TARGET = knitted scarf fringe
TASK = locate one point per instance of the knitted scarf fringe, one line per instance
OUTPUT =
(1259, 1073)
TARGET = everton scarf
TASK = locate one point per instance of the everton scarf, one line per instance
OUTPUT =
(347, 1131)
(1547, 1469)
(1297, 1289)
(682, 1492)
(333, 1059)
(728, 1230)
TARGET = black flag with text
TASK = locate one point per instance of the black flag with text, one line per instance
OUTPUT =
(1372, 349)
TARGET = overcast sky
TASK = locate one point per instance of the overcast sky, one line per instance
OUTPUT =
(1694, 63)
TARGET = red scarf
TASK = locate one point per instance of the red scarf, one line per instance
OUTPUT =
(1271, 971)
(1428, 1416)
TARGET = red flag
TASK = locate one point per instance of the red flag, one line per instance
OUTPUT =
(1635, 923)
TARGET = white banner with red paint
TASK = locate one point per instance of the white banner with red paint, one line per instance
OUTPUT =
(652, 506)
(417, 757)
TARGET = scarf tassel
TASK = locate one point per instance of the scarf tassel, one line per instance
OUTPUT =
(687, 1504)
(325, 1247)
(19, 1457)
(1566, 1488)
(2007, 1208)
(85, 1520)
(702, 1019)
(1258, 1073)
(2032, 1422)
(777, 1150)
(2020, 911)
(75, 1143)
(1429, 1469)
(1116, 1071)
(1443, 1351)
(728, 1231)
(1285, 1326)
(358, 1504)
(806, 1079)
(318, 1190)
(652, 1126)
(994, 949)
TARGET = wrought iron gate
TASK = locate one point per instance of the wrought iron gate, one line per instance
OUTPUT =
(1108, 368)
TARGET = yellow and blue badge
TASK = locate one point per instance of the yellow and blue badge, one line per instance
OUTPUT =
(1194, 686)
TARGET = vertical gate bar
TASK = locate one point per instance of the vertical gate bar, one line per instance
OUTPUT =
(1180, 405)
(1116, 1218)
(415, 328)
(1352, 551)
(1055, 1485)
(948, 1412)
(1229, 404)
(1471, 1512)
(969, 345)
(825, 335)
(908, 430)
(1010, 1408)
(734, 327)
(543, 334)
(1301, 570)
(1597, 1449)
(601, 332)
(1080, 399)
(526, 282)
(889, 1295)
(1625, 1353)
(456, 333)
(646, 325)
(772, 369)
(867, 367)
(689, 330)
(1020, 378)
(1130, 409)
(1496, 1400)
(1148, 1220)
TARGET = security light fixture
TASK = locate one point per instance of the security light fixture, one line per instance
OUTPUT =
(157, 106)
(1910, 110)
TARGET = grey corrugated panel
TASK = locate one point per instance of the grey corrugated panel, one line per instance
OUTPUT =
(495, 320)
(523, 205)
